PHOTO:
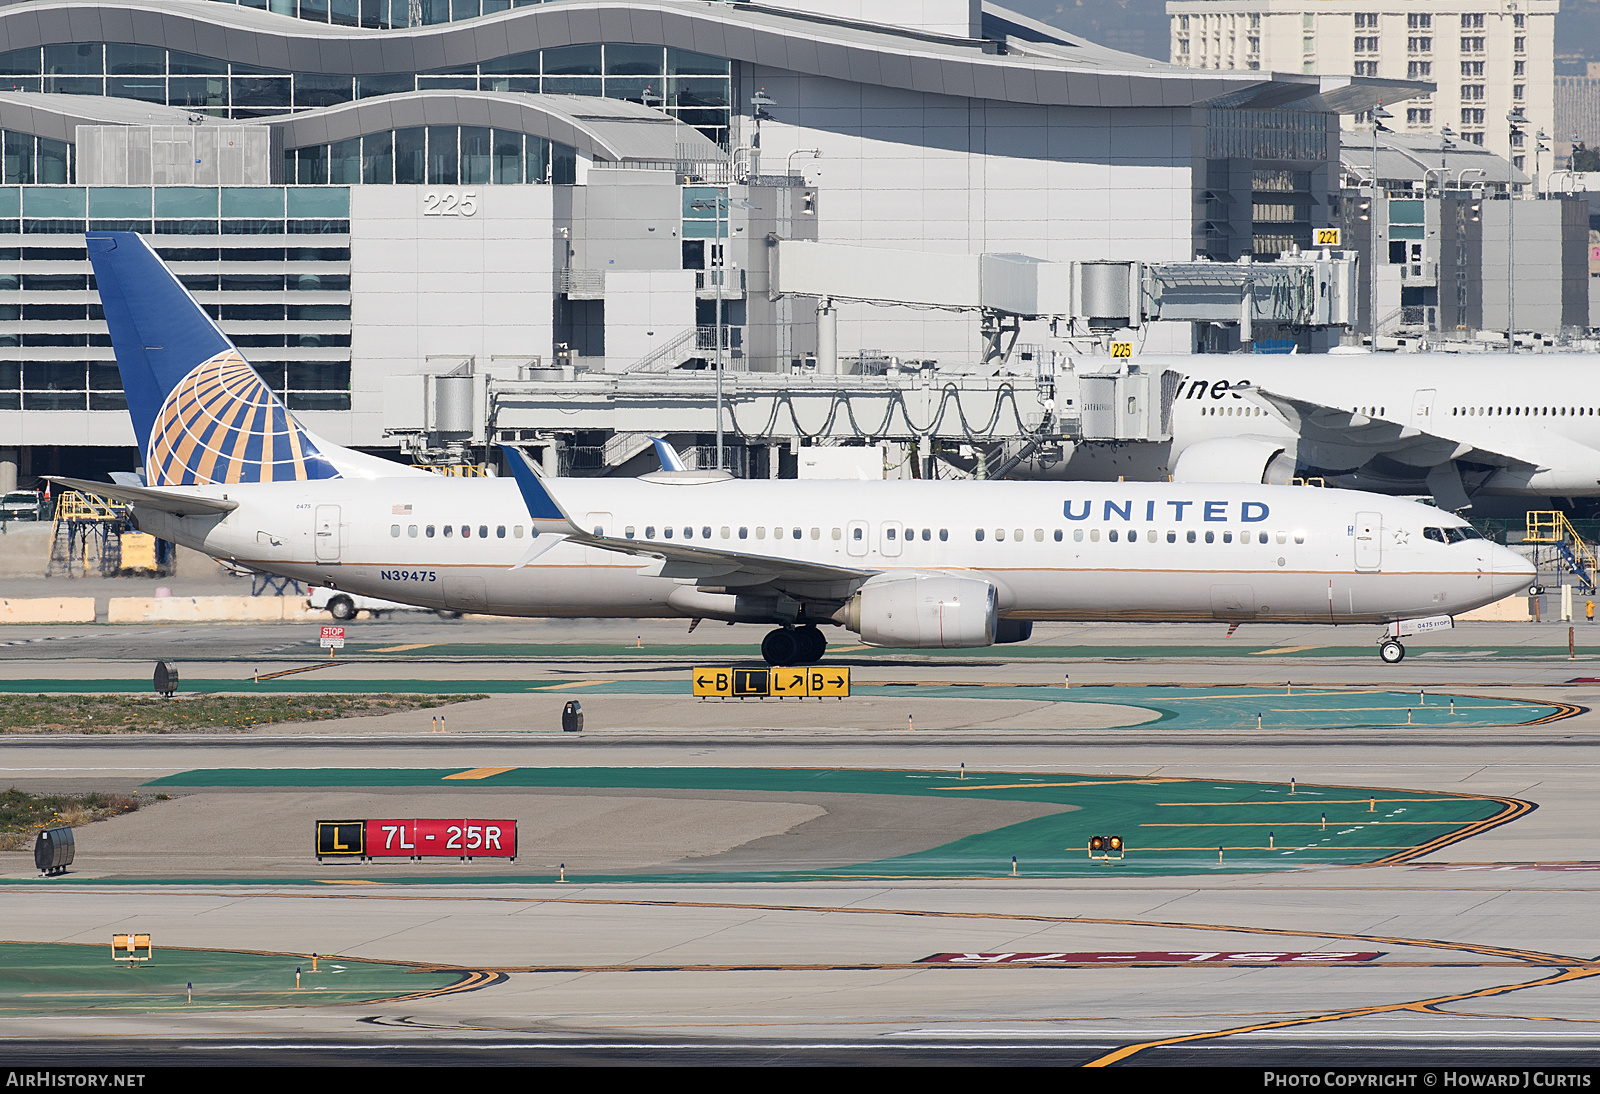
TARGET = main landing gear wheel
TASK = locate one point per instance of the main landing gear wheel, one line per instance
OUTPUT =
(781, 647)
(794, 646)
(813, 644)
(1392, 652)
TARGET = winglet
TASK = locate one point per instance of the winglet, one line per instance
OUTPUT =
(547, 514)
(670, 460)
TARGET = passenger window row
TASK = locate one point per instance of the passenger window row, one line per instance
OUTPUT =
(467, 532)
(725, 532)
(1001, 535)
(1522, 411)
(1151, 535)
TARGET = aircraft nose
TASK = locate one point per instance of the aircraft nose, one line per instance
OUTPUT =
(1510, 570)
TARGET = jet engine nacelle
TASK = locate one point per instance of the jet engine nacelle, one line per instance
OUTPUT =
(1235, 459)
(923, 612)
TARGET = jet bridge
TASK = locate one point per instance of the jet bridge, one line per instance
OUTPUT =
(597, 422)
(1309, 289)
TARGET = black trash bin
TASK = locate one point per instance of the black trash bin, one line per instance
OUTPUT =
(572, 717)
(53, 851)
(166, 679)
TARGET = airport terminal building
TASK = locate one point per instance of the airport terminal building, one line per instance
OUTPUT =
(360, 190)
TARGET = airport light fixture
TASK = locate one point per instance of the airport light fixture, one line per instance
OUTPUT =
(1446, 143)
(814, 153)
(1379, 115)
(717, 265)
(1516, 120)
(1107, 847)
(758, 114)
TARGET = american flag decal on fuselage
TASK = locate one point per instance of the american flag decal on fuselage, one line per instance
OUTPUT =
(223, 424)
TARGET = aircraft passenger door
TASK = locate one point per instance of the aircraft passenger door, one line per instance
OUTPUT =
(855, 538)
(1422, 409)
(889, 537)
(328, 533)
(1369, 541)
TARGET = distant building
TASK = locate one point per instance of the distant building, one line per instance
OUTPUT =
(1577, 101)
(1484, 59)
(1437, 252)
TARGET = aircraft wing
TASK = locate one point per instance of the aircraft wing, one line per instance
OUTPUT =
(1340, 427)
(148, 497)
(704, 565)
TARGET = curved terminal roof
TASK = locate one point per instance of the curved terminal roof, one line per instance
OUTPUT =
(58, 116)
(1028, 64)
(611, 130)
(604, 129)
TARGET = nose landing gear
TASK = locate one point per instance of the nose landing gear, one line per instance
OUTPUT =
(794, 646)
(1391, 651)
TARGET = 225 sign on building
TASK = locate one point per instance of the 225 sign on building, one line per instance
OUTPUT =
(364, 840)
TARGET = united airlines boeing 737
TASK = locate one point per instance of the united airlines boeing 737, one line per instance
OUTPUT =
(919, 564)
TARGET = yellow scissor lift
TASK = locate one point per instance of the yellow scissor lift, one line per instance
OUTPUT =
(1551, 526)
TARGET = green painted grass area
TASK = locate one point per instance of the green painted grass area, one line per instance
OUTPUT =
(1171, 826)
(61, 978)
(1272, 707)
(1177, 707)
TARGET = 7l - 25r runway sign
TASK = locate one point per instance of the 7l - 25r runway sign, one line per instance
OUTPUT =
(411, 839)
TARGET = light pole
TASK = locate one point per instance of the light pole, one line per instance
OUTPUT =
(1446, 142)
(720, 263)
(1516, 120)
(758, 113)
(1378, 116)
(717, 266)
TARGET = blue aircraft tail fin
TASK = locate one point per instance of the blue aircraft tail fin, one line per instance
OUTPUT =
(670, 460)
(200, 412)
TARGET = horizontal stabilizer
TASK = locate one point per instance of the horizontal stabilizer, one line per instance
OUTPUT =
(146, 497)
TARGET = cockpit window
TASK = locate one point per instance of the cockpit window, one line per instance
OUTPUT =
(1466, 531)
(1435, 534)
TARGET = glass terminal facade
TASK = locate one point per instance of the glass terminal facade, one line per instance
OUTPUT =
(270, 263)
(692, 87)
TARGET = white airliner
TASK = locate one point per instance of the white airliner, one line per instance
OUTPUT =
(918, 564)
(1453, 426)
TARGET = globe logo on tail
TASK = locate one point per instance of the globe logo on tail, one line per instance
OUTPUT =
(222, 424)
